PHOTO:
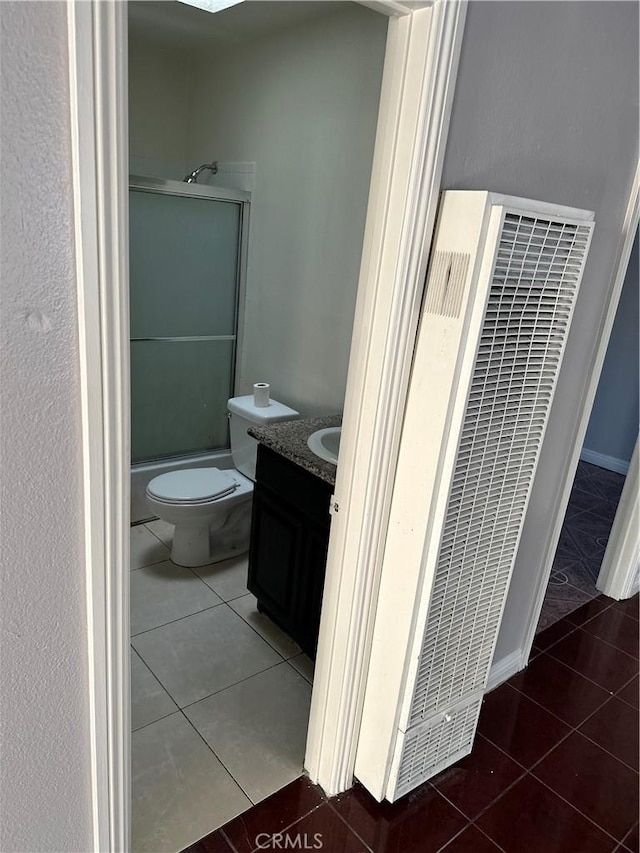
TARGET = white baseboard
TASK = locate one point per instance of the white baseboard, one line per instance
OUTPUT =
(502, 670)
(603, 461)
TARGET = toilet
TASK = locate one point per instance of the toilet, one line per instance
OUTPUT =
(210, 507)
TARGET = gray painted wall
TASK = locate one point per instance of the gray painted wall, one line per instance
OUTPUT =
(159, 86)
(546, 107)
(302, 104)
(44, 722)
(613, 426)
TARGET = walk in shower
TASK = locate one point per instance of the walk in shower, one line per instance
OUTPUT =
(187, 253)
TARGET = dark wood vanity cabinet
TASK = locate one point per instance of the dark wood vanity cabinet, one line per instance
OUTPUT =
(289, 540)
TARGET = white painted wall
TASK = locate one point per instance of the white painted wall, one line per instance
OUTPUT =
(44, 736)
(613, 426)
(547, 108)
(159, 78)
(301, 104)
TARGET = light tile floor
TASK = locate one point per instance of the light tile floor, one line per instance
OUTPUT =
(220, 696)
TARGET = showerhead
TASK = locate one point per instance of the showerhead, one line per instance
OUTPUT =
(192, 177)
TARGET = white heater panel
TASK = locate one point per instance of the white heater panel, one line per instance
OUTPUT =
(508, 303)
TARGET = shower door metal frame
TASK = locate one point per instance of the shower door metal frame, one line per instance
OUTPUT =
(164, 186)
(420, 68)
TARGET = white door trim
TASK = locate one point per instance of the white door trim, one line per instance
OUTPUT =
(419, 78)
(620, 571)
(97, 54)
(417, 92)
(629, 229)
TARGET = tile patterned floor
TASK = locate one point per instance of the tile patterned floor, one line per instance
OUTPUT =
(220, 696)
(554, 768)
(220, 702)
(587, 525)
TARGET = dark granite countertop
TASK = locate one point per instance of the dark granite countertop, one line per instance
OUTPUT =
(289, 439)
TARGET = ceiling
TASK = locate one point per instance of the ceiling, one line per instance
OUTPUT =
(173, 23)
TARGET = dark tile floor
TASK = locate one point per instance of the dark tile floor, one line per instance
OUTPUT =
(585, 532)
(554, 768)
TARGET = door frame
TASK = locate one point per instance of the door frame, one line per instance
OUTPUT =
(620, 571)
(421, 60)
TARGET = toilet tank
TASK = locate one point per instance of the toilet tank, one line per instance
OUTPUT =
(244, 414)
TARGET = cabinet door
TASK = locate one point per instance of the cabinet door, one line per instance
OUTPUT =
(276, 550)
(312, 572)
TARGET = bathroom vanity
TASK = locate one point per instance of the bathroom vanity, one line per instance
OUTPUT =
(290, 528)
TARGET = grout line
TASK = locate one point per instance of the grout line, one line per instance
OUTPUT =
(604, 749)
(148, 565)
(262, 637)
(499, 796)
(617, 648)
(576, 730)
(173, 621)
(535, 763)
(443, 849)
(576, 809)
(571, 669)
(210, 748)
(282, 830)
(229, 686)
(618, 696)
(503, 751)
(153, 533)
(549, 711)
(225, 837)
(367, 847)
(204, 581)
(592, 595)
(555, 642)
(163, 717)
(599, 640)
(308, 680)
(486, 835)
(145, 664)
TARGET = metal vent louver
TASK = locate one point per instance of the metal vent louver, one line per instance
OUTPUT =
(429, 749)
(531, 299)
(500, 295)
(446, 285)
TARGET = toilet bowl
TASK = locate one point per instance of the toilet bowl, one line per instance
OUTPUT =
(211, 508)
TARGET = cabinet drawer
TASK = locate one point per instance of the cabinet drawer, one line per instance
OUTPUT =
(308, 493)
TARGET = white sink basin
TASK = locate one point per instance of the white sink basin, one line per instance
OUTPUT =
(325, 443)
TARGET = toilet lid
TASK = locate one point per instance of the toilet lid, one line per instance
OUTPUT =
(192, 485)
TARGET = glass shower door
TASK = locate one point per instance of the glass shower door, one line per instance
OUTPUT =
(184, 274)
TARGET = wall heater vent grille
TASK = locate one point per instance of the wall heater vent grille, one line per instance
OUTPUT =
(425, 746)
(531, 297)
(501, 289)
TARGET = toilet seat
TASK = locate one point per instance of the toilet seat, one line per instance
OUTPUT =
(192, 486)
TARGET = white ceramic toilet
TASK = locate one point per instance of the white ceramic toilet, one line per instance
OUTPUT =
(210, 507)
